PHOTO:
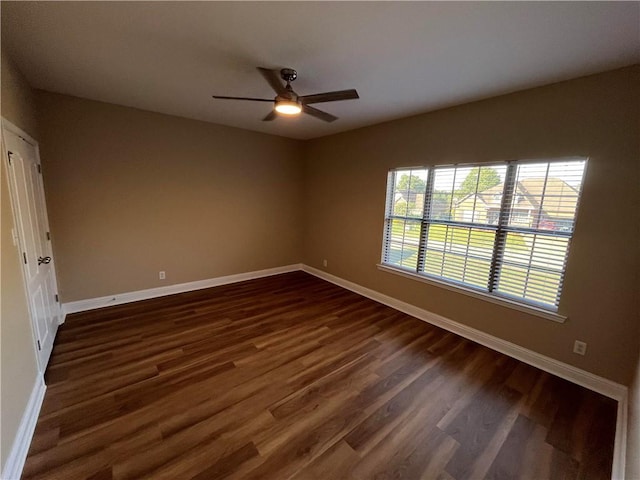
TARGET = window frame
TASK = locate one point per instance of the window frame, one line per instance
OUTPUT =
(501, 229)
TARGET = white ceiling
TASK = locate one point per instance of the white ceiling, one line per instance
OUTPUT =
(403, 58)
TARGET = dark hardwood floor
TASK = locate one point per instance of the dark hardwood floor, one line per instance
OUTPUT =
(292, 377)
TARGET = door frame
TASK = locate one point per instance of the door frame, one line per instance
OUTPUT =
(7, 126)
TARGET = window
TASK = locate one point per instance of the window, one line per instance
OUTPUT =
(502, 229)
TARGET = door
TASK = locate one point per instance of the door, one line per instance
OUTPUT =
(34, 239)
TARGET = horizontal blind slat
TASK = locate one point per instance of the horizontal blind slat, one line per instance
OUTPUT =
(451, 219)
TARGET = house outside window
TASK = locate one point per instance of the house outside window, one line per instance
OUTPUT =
(501, 229)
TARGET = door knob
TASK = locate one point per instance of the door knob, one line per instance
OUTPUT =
(44, 260)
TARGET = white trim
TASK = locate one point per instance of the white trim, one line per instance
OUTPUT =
(487, 297)
(120, 298)
(15, 461)
(573, 374)
(7, 125)
(620, 443)
(568, 372)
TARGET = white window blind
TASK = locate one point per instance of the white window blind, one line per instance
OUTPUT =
(503, 229)
(404, 218)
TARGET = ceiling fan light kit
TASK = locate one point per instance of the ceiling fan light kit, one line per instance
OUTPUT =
(287, 107)
(289, 103)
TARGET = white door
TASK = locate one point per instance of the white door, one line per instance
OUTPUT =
(34, 239)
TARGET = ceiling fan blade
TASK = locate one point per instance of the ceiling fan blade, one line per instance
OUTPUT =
(330, 96)
(314, 112)
(273, 78)
(270, 116)
(244, 98)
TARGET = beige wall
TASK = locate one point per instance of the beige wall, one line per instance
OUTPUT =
(595, 116)
(132, 192)
(18, 365)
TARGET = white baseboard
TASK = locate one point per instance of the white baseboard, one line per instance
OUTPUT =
(568, 372)
(120, 298)
(15, 461)
(573, 374)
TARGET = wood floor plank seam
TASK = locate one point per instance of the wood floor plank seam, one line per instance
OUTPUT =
(292, 377)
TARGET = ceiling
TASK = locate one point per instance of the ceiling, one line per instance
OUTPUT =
(404, 58)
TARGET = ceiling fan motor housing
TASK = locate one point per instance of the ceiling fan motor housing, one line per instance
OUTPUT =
(288, 74)
(288, 96)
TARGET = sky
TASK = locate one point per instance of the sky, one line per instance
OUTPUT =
(569, 171)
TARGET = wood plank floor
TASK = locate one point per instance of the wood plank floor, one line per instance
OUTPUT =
(292, 377)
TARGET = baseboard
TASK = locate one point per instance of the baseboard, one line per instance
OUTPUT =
(15, 461)
(120, 298)
(573, 374)
(589, 380)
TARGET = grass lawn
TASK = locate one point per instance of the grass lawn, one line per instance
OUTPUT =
(458, 235)
(448, 257)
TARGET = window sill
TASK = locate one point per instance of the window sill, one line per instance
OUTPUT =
(539, 312)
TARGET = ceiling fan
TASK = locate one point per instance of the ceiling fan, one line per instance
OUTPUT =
(288, 102)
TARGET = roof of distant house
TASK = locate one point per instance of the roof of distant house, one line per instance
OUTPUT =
(560, 198)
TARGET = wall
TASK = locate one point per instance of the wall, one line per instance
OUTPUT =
(595, 116)
(18, 365)
(132, 192)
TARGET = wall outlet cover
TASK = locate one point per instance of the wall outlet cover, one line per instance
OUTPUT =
(579, 347)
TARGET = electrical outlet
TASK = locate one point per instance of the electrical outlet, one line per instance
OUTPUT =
(325, 263)
(579, 347)
(162, 275)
